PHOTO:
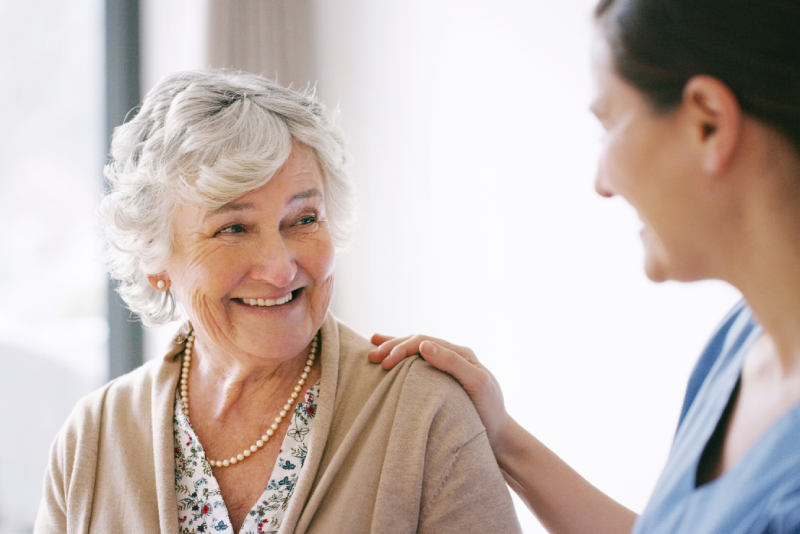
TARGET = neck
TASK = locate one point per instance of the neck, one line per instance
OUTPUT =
(238, 401)
(763, 256)
(767, 272)
(223, 383)
(777, 309)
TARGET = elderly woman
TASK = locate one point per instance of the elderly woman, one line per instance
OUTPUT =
(228, 199)
(700, 102)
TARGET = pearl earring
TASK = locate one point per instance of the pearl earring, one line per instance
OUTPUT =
(161, 284)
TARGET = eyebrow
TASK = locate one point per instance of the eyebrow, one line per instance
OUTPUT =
(243, 206)
(308, 193)
(227, 208)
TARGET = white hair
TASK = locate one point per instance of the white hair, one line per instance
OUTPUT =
(207, 137)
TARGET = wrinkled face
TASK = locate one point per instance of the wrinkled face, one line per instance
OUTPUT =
(256, 275)
(644, 161)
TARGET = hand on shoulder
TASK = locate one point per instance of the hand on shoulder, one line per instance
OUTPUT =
(462, 364)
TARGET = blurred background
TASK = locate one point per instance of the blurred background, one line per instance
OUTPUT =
(474, 158)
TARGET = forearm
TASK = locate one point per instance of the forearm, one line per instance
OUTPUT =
(562, 500)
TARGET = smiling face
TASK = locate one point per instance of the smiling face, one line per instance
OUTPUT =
(646, 160)
(256, 275)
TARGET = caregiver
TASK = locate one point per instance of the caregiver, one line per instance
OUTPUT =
(700, 101)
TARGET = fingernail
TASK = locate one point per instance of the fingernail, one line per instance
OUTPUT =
(430, 348)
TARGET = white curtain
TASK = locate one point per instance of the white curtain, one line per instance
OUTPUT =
(269, 37)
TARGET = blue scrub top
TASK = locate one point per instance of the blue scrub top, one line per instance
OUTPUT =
(761, 493)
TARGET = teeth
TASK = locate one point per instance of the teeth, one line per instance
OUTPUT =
(268, 302)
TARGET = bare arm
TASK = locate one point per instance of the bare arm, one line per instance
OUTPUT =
(562, 500)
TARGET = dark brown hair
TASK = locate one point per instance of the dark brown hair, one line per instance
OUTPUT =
(751, 46)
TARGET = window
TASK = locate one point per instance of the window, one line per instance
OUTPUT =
(53, 330)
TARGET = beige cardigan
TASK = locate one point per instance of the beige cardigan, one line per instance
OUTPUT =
(397, 451)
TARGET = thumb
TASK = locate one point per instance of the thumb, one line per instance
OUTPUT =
(450, 362)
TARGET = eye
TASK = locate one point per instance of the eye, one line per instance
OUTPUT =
(307, 219)
(232, 229)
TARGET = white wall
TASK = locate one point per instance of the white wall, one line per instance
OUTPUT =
(475, 156)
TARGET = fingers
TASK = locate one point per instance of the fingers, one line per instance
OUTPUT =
(454, 363)
(393, 350)
(399, 349)
(380, 339)
(385, 346)
(412, 345)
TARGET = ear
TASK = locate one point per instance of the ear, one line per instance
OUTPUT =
(159, 282)
(715, 121)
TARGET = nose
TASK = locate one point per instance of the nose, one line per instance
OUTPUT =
(600, 184)
(273, 262)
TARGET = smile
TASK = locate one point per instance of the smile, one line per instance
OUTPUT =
(268, 302)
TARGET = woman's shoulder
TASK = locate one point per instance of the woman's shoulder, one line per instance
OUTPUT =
(407, 443)
(416, 388)
(125, 397)
(142, 382)
(353, 350)
(105, 446)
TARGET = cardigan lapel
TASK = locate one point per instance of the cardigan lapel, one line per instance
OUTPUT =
(297, 515)
(162, 407)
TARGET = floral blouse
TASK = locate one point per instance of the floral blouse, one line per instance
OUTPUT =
(200, 504)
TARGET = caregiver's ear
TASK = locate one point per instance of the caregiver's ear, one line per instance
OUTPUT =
(714, 121)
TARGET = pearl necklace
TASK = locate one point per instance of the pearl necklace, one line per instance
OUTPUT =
(187, 360)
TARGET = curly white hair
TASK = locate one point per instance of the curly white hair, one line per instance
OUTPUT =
(207, 137)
